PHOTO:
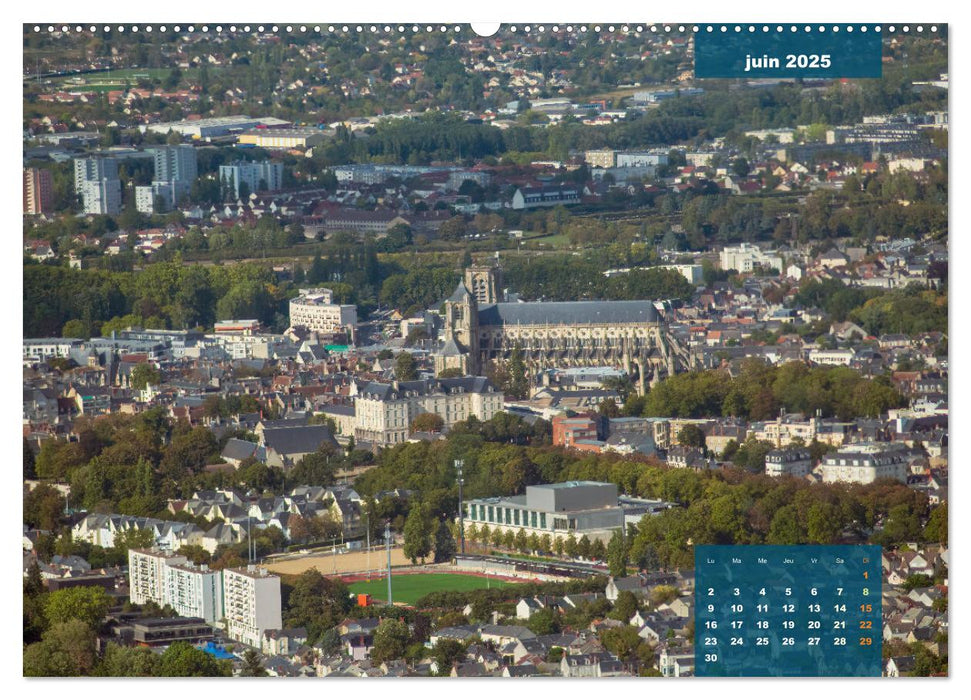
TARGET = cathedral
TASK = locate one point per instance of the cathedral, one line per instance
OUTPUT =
(481, 327)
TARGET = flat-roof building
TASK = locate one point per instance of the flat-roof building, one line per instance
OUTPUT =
(252, 603)
(579, 508)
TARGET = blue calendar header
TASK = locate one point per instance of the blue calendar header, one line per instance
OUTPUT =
(788, 51)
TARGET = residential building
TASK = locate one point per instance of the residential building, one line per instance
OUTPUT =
(264, 176)
(746, 257)
(641, 159)
(568, 430)
(146, 574)
(96, 181)
(602, 158)
(175, 171)
(837, 356)
(788, 463)
(383, 412)
(316, 311)
(193, 591)
(693, 273)
(550, 196)
(38, 191)
(251, 597)
(864, 463)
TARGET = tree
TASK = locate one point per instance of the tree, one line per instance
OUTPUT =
(129, 662)
(76, 328)
(518, 378)
(390, 641)
(183, 660)
(570, 547)
(583, 547)
(89, 604)
(316, 469)
(317, 603)
(405, 368)
(617, 554)
(447, 653)
(43, 507)
(544, 621)
(936, 528)
(608, 408)
(427, 423)
(521, 541)
(418, 541)
(195, 553)
(663, 594)
(823, 523)
(444, 543)
(625, 606)
(143, 375)
(741, 167)
(624, 642)
(30, 471)
(252, 665)
(691, 436)
(67, 649)
(785, 527)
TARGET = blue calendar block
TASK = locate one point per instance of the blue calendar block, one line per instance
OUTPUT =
(799, 610)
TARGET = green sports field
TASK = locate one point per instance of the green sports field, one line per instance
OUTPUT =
(408, 588)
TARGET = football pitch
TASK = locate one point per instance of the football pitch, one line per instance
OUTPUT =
(408, 588)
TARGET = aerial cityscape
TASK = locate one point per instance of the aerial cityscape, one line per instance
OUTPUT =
(412, 352)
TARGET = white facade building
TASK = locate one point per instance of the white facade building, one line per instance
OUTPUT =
(146, 574)
(259, 177)
(251, 599)
(695, 274)
(96, 181)
(796, 463)
(314, 309)
(746, 257)
(383, 412)
(194, 591)
(864, 464)
(171, 579)
(838, 356)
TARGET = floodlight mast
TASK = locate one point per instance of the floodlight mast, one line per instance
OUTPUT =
(459, 466)
(387, 539)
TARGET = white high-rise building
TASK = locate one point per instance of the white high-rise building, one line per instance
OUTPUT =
(146, 574)
(193, 591)
(175, 171)
(251, 599)
(258, 177)
(96, 180)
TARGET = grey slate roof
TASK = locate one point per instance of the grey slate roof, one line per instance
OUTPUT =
(299, 440)
(460, 294)
(424, 387)
(566, 313)
(238, 449)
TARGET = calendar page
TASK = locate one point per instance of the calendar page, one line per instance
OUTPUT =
(556, 349)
